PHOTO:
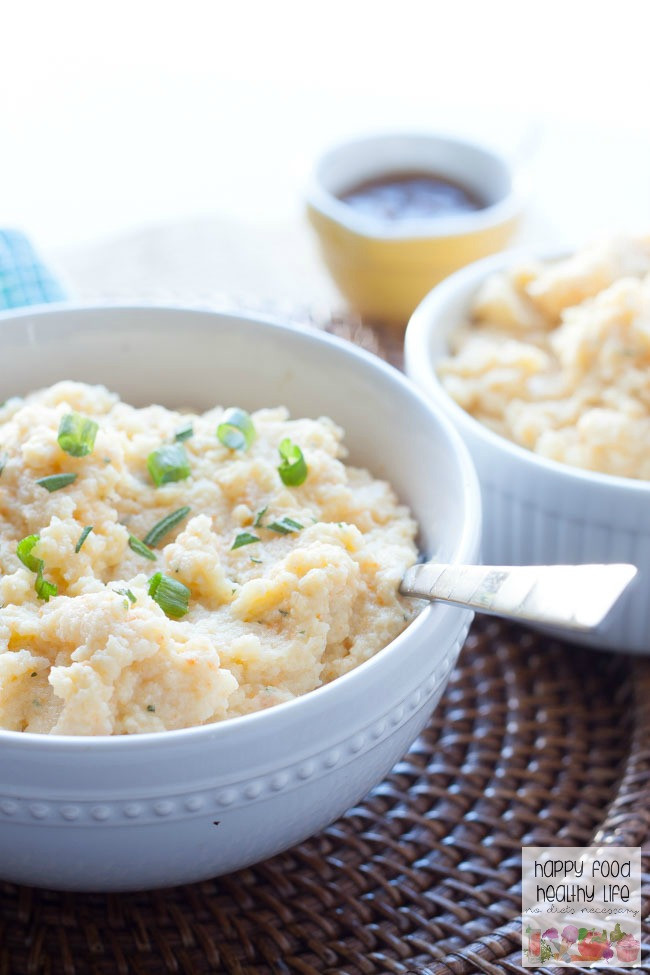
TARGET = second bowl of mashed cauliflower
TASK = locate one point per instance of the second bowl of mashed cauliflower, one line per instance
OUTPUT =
(542, 363)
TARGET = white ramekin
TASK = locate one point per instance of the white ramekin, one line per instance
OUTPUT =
(160, 809)
(538, 511)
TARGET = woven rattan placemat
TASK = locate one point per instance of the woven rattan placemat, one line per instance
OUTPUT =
(535, 742)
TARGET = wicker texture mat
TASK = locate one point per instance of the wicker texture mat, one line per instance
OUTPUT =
(534, 742)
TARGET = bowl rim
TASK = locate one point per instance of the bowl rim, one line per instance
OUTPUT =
(465, 546)
(421, 368)
(320, 199)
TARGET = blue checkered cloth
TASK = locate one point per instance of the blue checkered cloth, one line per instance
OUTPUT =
(24, 279)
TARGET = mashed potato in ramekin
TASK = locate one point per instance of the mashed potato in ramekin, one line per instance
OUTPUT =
(266, 589)
(556, 357)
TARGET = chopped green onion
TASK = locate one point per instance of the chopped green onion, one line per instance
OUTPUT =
(141, 549)
(126, 592)
(4, 457)
(24, 553)
(293, 469)
(285, 526)
(151, 707)
(236, 429)
(43, 588)
(164, 526)
(54, 482)
(258, 561)
(184, 432)
(258, 517)
(170, 594)
(244, 538)
(77, 434)
(82, 538)
(168, 463)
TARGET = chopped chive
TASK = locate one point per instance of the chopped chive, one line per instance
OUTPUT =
(244, 538)
(4, 457)
(141, 549)
(168, 463)
(258, 517)
(163, 527)
(126, 592)
(293, 469)
(236, 429)
(54, 482)
(45, 589)
(259, 561)
(77, 434)
(151, 707)
(184, 432)
(82, 538)
(24, 553)
(170, 594)
(285, 526)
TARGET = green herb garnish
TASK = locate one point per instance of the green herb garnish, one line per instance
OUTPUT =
(293, 469)
(141, 549)
(24, 553)
(258, 517)
(168, 463)
(129, 595)
(153, 537)
(82, 538)
(170, 594)
(54, 482)
(4, 457)
(236, 429)
(184, 432)
(43, 588)
(151, 707)
(285, 526)
(77, 434)
(258, 561)
(244, 538)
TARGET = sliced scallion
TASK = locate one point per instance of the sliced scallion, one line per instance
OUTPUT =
(284, 526)
(54, 482)
(77, 434)
(258, 517)
(163, 527)
(44, 589)
(168, 463)
(170, 594)
(24, 553)
(293, 469)
(236, 429)
(185, 431)
(82, 538)
(244, 538)
(141, 549)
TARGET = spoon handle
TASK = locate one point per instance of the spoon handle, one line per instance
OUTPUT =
(574, 596)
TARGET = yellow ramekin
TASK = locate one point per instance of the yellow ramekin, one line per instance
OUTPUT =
(385, 269)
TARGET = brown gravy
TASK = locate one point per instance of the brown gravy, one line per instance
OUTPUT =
(411, 196)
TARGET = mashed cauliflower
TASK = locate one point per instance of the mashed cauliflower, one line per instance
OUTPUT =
(282, 587)
(557, 358)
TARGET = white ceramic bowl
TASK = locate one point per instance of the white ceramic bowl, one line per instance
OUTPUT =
(159, 809)
(538, 511)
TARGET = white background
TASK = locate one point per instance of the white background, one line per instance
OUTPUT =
(123, 114)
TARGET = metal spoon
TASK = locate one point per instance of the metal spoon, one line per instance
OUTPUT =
(574, 596)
